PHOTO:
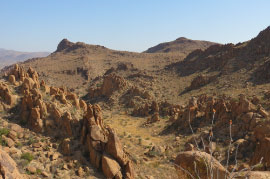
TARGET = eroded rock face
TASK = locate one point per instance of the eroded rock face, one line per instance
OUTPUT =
(192, 161)
(8, 168)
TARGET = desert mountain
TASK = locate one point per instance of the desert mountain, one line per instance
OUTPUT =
(180, 45)
(170, 77)
(170, 111)
(9, 57)
(246, 62)
(76, 64)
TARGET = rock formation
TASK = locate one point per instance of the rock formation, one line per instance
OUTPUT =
(242, 116)
(200, 80)
(105, 150)
(111, 83)
(8, 168)
(198, 164)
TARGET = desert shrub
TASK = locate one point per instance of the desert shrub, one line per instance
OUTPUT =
(19, 145)
(4, 131)
(3, 142)
(32, 140)
(27, 156)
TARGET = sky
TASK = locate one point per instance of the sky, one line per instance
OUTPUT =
(130, 25)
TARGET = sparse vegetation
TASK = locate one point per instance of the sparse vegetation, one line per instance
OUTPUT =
(4, 131)
(32, 140)
(27, 156)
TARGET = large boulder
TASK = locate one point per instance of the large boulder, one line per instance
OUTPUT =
(110, 167)
(114, 148)
(8, 168)
(196, 163)
(67, 118)
(6, 95)
(111, 83)
(262, 152)
(35, 121)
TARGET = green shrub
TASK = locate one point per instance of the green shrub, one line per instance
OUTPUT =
(32, 140)
(3, 142)
(27, 156)
(4, 131)
(19, 145)
(38, 171)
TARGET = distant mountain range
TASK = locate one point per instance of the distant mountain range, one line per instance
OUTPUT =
(8, 57)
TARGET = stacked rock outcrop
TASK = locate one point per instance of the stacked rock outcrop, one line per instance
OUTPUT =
(162, 108)
(7, 99)
(42, 115)
(106, 151)
(200, 80)
(249, 124)
(111, 83)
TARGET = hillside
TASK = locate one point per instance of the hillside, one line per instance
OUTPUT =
(180, 45)
(163, 106)
(9, 57)
(229, 68)
(76, 64)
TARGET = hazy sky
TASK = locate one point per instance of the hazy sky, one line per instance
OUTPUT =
(133, 25)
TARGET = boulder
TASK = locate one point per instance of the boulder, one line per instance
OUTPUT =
(35, 121)
(154, 107)
(262, 151)
(83, 105)
(97, 134)
(67, 123)
(109, 167)
(129, 171)
(114, 148)
(12, 79)
(189, 160)
(8, 167)
(65, 147)
(154, 118)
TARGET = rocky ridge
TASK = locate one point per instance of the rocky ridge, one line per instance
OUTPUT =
(180, 45)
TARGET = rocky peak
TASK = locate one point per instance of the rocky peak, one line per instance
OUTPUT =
(182, 39)
(262, 38)
(64, 44)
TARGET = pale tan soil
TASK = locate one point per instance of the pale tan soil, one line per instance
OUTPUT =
(138, 138)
